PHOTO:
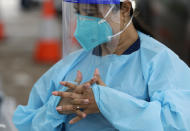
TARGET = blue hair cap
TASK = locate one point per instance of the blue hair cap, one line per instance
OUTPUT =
(94, 1)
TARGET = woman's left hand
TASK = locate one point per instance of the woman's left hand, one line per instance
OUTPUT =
(86, 93)
(91, 107)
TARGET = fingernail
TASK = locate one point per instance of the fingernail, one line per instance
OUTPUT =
(83, 115)
(97, 71)
(63, 83)
(70, 122)
(54, 93)
(86, 101)
(59, 108)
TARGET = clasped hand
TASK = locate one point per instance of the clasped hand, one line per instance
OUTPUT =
(79, 99)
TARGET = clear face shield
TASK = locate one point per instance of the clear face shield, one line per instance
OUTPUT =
(94, 25)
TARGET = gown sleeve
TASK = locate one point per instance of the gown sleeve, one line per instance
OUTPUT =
(168, 83)
(40, 113)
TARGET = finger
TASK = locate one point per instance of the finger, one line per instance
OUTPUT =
(68, 84)
(67, 94)
(86, 90)
(65, 108)
(80, 101)
(92, 81)
(98, 77)
(77, 96)
(77, 118)
(79, 77)
(80, 114)
(72, 108)
(82, 88)
(74, 120)
(57, 93)
(62, 94)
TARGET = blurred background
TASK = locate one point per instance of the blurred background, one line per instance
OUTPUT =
(30, 42)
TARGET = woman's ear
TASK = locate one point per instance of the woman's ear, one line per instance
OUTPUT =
(125, 9)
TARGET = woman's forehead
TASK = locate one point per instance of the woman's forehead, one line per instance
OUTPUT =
(89, 6)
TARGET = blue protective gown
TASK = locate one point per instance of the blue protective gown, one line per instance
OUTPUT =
(148, 90)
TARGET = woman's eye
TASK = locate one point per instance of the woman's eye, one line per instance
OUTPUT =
(91, 14)
(77, 12)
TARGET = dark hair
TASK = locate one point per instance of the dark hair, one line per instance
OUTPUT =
(138, 23)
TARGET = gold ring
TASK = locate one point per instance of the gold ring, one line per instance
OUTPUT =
(77, 108)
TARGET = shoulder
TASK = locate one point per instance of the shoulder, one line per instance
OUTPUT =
(58, 70)
(152, 49)
(151, 45)
(156, 57)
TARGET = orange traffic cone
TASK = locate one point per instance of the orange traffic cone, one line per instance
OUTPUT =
(2, 33)
(48, 48)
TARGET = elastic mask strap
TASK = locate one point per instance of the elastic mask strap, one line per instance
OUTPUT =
(119, 33)
(107, 14)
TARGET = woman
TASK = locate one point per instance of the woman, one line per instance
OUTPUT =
(143, 86)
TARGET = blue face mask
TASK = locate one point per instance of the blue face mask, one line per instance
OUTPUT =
(92, 31)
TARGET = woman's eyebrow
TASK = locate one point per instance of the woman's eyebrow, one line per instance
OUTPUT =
(89, 10)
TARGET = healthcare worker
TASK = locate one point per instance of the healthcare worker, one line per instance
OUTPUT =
(114, 78)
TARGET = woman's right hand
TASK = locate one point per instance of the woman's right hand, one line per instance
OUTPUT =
(67, 101)
(63, 102)
(67, 97)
